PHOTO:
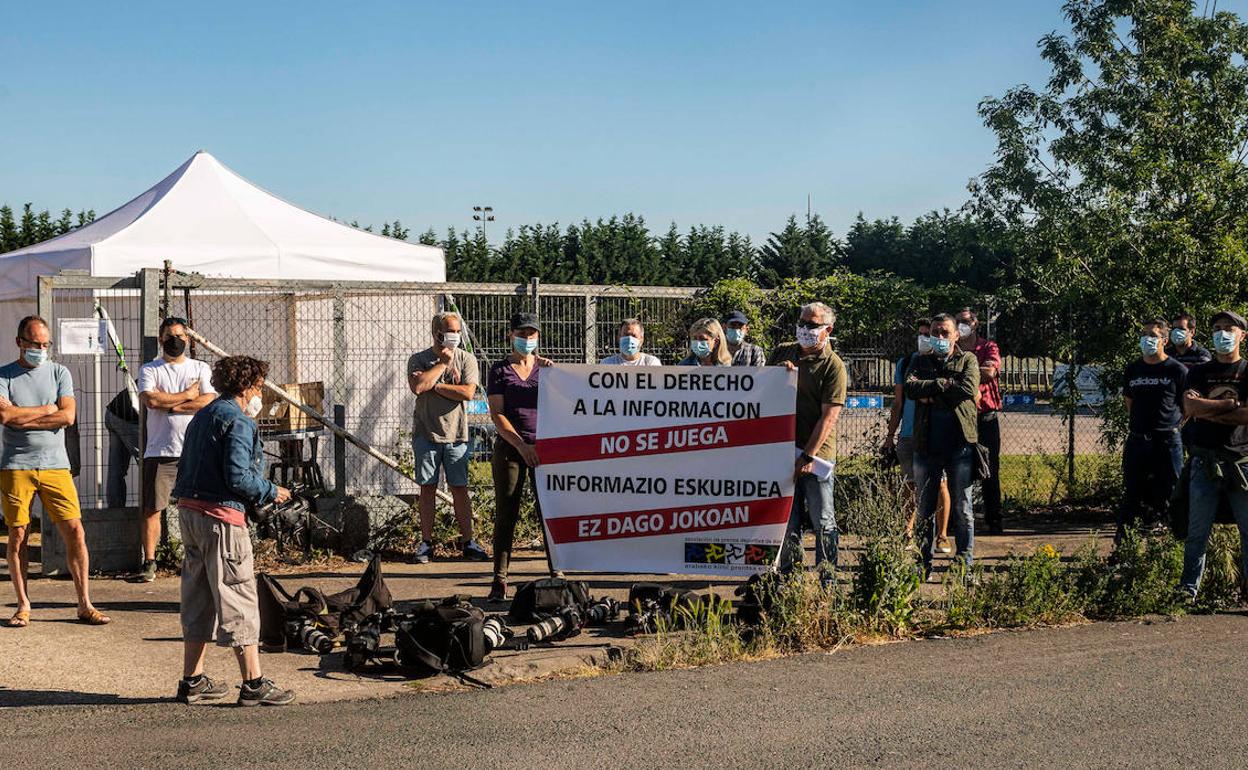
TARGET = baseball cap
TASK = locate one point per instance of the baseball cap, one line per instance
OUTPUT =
(736, 317)
(525, 321)
(1231, 316)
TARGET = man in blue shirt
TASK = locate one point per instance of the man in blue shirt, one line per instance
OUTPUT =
(36, 405)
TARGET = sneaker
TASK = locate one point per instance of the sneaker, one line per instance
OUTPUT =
(148, 573)
(423, 552)
(942, 545)
(498, 591)
(265, 694)
(472, 550)
(205, 689)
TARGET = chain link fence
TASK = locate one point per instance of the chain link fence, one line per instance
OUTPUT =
(354, 339)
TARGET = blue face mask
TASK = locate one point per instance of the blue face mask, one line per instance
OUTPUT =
(941, 346)
(1178, 336)
(629, 345)
(700, 348)
(1150, 345)
(1223, 341)
(34, 356)
(735, 336)
(524, 345)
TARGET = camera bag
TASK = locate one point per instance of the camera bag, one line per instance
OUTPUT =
(447, 637)
(544, 597)
(332, 613)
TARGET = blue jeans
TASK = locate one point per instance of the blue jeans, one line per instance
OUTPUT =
(1204, 496)
(957, 466)
(1151, 464)
(812, 502)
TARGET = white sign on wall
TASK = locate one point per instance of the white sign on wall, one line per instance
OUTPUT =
(80, 336)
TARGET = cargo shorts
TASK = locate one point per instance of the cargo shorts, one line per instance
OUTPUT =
(218, 582)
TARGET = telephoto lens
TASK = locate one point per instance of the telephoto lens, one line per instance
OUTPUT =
(312, 639)
(557, 626)
(601, 611)
(496, 634)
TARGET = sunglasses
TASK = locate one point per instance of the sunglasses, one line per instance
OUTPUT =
(811, 324)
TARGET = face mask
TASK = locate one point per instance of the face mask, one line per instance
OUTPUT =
(524, 345)
(925, 344)
(965, 330)
(174, 346)
(941, 346)
(253, 407)
(629, 345)
(735, 336)
(809, 338)
(1223, 342)
(1178, 336)
(34, 356)
(450, 340)
(1150, 345)
(700, 348)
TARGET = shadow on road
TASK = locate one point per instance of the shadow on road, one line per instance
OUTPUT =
(19, 698)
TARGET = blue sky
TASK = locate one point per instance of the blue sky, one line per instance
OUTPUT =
(717, 113)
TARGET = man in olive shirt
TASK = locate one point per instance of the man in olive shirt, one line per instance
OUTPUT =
(944, 384)
(821, 386)
(444, 378)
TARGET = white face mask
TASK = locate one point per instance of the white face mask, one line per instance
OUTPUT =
(810, 338)
(450, 340)
(253, 407)
(925, 344)
(965, 330)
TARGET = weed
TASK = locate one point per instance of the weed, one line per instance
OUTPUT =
(1220, 585)
(886, 586)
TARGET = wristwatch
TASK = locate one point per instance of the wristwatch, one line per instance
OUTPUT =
(806, 458)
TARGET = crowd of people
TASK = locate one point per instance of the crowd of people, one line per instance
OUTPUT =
(944, 425)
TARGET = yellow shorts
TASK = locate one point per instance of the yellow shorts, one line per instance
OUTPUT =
(55, 489)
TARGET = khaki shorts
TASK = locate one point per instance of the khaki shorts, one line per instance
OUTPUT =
(218, 582)
(55, 488)
(159, 476)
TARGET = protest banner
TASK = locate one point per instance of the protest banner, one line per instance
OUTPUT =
(665, 469)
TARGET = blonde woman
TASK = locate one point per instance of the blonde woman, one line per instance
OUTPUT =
(707, 345)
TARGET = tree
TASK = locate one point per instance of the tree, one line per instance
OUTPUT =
(798, 252)
(35, 227)
(1124, 175)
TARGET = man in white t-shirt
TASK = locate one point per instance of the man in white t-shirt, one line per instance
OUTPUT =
(173, 388)
(631, 336)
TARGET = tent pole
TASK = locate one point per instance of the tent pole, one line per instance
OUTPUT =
(367, 448)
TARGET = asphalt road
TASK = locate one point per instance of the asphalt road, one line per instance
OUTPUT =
(1166, 693)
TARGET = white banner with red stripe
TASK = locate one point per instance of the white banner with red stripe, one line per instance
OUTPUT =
(670, 469)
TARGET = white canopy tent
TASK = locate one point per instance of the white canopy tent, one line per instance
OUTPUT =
(208, 219)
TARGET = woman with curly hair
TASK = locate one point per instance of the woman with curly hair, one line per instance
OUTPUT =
(221, 473)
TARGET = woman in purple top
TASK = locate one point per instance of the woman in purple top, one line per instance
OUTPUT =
(512, 392)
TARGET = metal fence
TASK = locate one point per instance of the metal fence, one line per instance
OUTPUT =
(355, 338)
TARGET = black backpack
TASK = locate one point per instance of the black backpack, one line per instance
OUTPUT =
(758, 597)
(542, 598)
(446, 637)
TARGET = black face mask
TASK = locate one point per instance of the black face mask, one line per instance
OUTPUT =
(174, 346)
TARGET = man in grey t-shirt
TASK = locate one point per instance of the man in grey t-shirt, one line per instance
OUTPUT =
(443, 377)
(36, 405)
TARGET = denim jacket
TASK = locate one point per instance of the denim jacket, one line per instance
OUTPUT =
(221, 458)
